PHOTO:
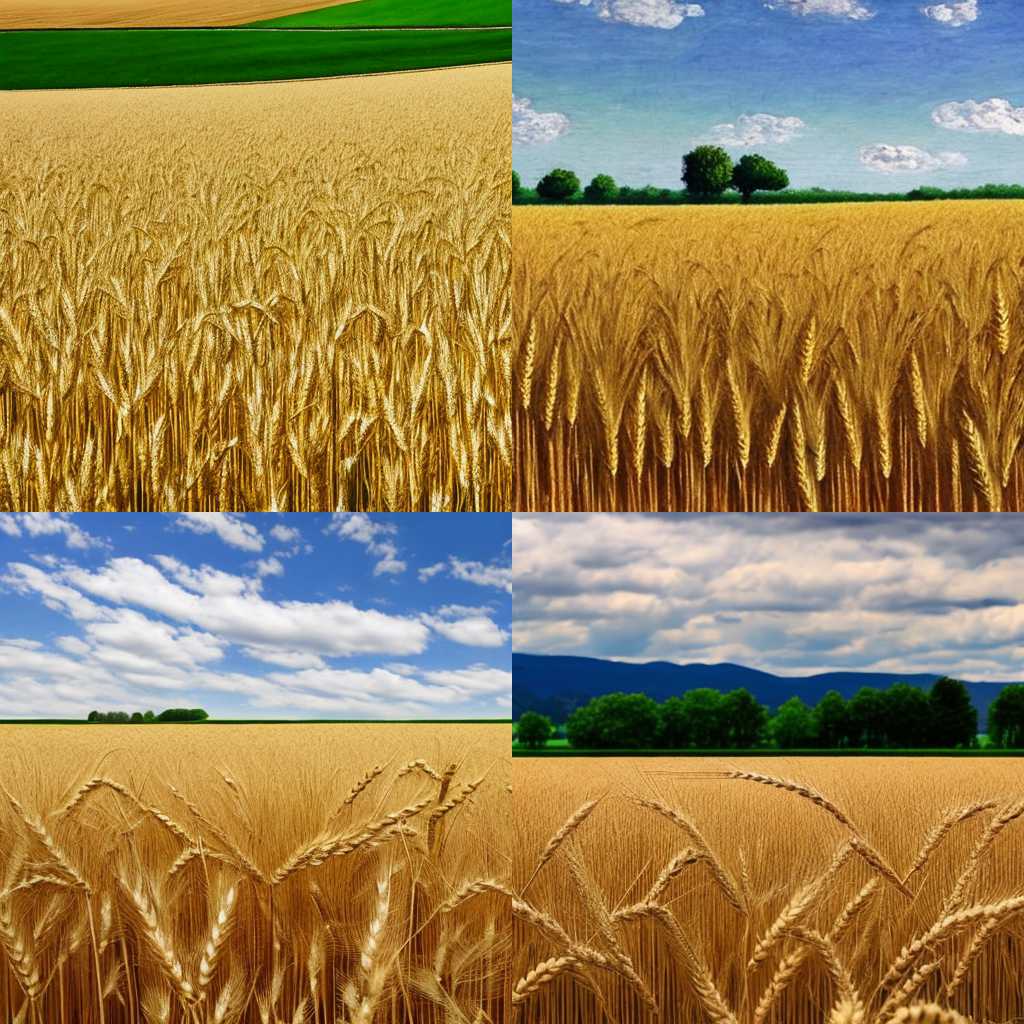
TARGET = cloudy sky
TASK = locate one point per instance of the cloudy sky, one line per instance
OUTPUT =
(879, 95)
(257, 616)
(792, 594)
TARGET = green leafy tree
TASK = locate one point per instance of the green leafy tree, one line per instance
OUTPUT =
(137, 716)
(707, 171)
(755, 173)
(602, 189)
(1006, 718)
(95, 716)
(182, 715)
(793, 725)
(743, 718)
(868, 721)
(704, 711)
(954, 719)
(149, 717)
(516, 185)
(831, 720)
(673, 724)
(558, 184)
(907, 715)
(534, 730)
(626, 720)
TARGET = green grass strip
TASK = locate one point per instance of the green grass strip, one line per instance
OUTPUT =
(399, 12)
(69, 59)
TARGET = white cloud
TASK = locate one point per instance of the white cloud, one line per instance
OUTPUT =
(480, 573)
(756, 130)
(231, 529)
(472, 627)
(285, 534)
(663, 14)
(851, 10)
(499, 576)
(359, 527)
(953, 14)
(269, 567)
(992, 115)
(230, 606)
(530, 126)
(47, 524)
(907, 159)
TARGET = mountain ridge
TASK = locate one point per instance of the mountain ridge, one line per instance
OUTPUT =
(556, 684)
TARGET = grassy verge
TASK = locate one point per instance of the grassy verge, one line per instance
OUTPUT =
(567, 751)
(393, 13)
(62, 59)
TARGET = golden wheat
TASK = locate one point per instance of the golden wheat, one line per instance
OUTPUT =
(822, 358)
(263, 906)
(825, 930)
(282, 296)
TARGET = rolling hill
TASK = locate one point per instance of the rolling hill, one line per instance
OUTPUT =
(555, 685)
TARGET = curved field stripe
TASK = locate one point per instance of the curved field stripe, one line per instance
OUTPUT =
(98, 58)
(394, 13)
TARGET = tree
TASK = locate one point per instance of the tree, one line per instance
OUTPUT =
(831, 720)
(602, 189)
(954, 719)
(707, 171)
(148, 716)
(182, 715)
(673, 724)
(704, 712)
(755, 173)
(626, 720)
(1006, 717)
(137, 716)
(868, 720)
(906, 714)
(95, 716)
(516, 185)
(743, 718)
(558, 184)
(534, 730)
(793, 725)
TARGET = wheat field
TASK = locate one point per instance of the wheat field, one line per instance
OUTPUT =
(847, 891)
(126, 13)
(786, 358)
(254, 874)
(276, 296)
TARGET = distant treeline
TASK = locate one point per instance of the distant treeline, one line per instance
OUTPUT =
(898, 717)
(136, 717)
(649, 195)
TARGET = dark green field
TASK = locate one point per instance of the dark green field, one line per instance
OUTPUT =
(394, 13)
(93, 58)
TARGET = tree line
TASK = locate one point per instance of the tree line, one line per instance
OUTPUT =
(898, 717)
(709, 172)
(136, 717)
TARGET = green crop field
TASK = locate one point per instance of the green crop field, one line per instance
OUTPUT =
(397, 13)
(75, 59)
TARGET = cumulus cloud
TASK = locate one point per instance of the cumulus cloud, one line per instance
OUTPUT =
(47, 524)
(663, 14)
(269, 567)
(992, 115)
(472, 627)
(792, 594)
(530, 126)
(483, 574)
(756, 130)
(907, 159)
(850, 10)
(374, 535)
(231, 529)
(953, 14)
(285, 534)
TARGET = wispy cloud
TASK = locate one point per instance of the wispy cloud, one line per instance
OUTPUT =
(531, 126)
(47, 524)
(231, 529)
(756, 130)
(374, 535)
(953, 14)
(992, 115)
(907, 159)
(850, 10)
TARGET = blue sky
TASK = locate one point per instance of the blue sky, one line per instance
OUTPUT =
(879, 95)
(793, 594)
(256, 616)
